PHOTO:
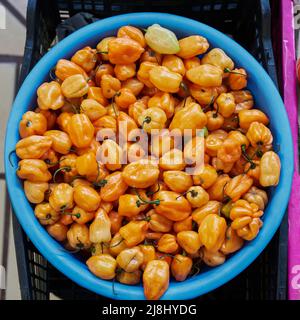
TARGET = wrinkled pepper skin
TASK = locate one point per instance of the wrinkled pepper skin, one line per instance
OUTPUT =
(178, 181)
(81, 130)
(87, 198)
(181, 266)
(212, 232)
(134, 232)
(189, 241)
(190, 117)
(65, 68)
(32, 123)
(114, 187)
(102, 266)
(78, 236)
(211, 207)
(46, 214)
(257, 196)
(205, 75)
(156, 279)
(152, 118)
(61, 141)
(33, 147)
(237, 79)
(35, 191)
(87, 164)
(167, 244)
(192, 46)
(124, 51)
(211, 258)
(164, 79)
(246, 219)
(100, 228)
(232, 242)
(269, 172)
(130, 259)
(50, 96)
(172, 205)
(238, 186)
(259, 135)
(74, 86)
(218, 58)
(34, 170)
(85, 58)
(61, 197)
(140, 174)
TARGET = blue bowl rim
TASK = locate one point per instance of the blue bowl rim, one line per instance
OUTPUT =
(67, 263)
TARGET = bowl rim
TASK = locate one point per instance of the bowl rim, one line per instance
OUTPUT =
(66, 262)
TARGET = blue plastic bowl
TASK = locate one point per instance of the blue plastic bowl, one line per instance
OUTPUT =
(267, 98)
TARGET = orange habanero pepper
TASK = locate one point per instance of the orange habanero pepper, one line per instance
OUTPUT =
(32, 123)
(156, 279)
(61, 141)
(134, 232)
(50, 96)
(81, 130)
(172, 205)
(124, 51)
(46, 214)
(34, 170)
(245, 218)
(181, 266)
(102, 266)
(86, 58)
(238, 186)
(75, 86)
(212, 232)
(65, 68)
(33, 147)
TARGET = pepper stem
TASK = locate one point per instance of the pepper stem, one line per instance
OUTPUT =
(104, 52)
(227, 70)
(247, 158)
(66, 169)
(146, 120)
(101, 183)
(151, 193)
(142, 201)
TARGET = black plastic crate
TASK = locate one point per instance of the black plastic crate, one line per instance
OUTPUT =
(249, 23)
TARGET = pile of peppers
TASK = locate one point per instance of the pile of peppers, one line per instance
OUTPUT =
(147, 221)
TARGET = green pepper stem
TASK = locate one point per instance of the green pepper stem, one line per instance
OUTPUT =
(115, 245)
(99, 184)
(77, 215)
(146, 120)
(104, 52)
(227, 70)
(151, 193)
(102, 182)
(247, 158)
(142, 201)
(66, 168)
(192, 192)
(212, 100)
